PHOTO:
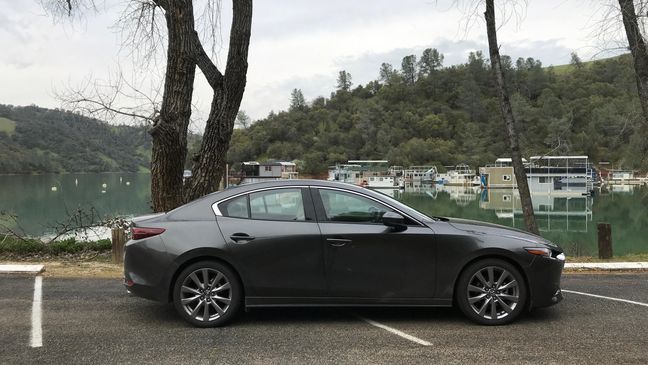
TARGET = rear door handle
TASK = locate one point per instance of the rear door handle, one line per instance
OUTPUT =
(241, 237)
(338, 242)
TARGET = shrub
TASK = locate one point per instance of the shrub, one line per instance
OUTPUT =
(34, 246)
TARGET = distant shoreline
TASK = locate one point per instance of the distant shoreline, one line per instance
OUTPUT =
(76, 173)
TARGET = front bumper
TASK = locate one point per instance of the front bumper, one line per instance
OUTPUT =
(544, 281)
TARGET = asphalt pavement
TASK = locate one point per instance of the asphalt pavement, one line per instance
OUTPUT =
(95, 321)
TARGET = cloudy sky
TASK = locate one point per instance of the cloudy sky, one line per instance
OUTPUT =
(295, 44)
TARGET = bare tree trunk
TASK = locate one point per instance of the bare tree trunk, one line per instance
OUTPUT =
(639, 52)
(170, 129)
(509, 119)
(209, 164)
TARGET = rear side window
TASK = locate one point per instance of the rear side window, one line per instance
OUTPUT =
(276, 205)
(235, 208)
(279, 204)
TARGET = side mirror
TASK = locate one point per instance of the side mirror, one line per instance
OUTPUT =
(394, 220)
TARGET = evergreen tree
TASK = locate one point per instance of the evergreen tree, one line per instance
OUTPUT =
(430, 61)
(297, 101)
(409, 69)
(344, 81)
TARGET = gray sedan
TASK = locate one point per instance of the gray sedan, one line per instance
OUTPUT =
(318, 243)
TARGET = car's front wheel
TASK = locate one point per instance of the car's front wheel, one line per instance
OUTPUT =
(491, 292)
(207, 294)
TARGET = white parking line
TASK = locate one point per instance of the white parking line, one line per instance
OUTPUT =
(396, 332)
(608, 298)
(37, 314)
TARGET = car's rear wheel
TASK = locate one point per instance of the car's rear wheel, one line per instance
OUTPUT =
(207, 294)
(491, 292)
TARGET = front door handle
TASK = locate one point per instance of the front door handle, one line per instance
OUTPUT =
(338, 242)
(241, 237)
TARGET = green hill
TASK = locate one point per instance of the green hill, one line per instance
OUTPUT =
(419, 115)
(39, 140)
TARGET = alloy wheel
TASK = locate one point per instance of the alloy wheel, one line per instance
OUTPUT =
(493, 293)
(206, 294)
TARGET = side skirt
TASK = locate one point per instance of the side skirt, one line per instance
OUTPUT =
(345, 302)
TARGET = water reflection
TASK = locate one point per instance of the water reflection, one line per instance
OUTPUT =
(565, 217)
(565, 212)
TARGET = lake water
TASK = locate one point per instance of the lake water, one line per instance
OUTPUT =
(567, 220)
(42, 201)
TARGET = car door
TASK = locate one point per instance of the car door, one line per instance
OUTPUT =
(275, 238)
(366, 259)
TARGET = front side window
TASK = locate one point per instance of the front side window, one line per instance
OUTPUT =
(346, 207)
(280, 204)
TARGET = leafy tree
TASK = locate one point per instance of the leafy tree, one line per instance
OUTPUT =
(575, 60)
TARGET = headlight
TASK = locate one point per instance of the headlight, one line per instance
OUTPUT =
(540, 251)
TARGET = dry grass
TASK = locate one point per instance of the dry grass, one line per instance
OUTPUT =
(69, 269)
(641, 257)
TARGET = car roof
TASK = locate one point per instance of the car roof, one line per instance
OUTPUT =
(204, 203)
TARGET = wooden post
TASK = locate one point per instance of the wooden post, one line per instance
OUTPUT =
(605, 241)
(118, 242)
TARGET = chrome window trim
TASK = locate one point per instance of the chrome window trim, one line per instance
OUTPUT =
(370, 198)
(220, 214)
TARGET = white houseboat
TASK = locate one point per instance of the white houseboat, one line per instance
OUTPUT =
(459, 175)
(625, 177)
(420, 174)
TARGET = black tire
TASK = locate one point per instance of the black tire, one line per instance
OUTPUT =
(478, 294)
(224, 299)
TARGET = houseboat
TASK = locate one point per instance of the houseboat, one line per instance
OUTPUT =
(624, 177)
(559, 175)
(347, 173)
(253, 171)
(378, 174)
(420, 174)
(459, 175)
(545, 174)
(499, 175)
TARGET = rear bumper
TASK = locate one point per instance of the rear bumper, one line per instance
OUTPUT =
(145, 263)
(544, 282)
(143, 291)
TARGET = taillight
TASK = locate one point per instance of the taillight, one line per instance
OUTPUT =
(144, 232)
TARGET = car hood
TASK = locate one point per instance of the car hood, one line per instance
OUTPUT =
(478, 227)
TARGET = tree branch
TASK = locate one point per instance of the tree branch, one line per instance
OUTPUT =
(212, 74)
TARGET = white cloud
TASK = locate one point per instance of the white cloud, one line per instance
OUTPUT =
(295, 44)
